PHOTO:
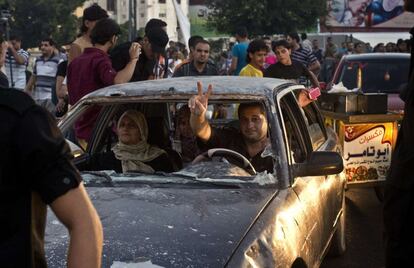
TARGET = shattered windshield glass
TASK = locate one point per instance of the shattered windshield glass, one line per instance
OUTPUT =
(154, 142)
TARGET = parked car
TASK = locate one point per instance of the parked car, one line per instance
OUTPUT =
(375, 73)
(216, 213)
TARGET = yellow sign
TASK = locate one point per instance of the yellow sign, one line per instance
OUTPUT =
(367, 150)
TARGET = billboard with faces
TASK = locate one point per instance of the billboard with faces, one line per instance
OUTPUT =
(366, 16)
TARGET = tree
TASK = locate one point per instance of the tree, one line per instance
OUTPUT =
(265, 16)
(36, 19)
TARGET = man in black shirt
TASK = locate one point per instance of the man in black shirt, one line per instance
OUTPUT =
(35, 170)
(250, 141)
(200, 64)
(151, 62)
(286, 68)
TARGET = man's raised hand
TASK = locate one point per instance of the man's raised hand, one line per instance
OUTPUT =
(198, 103)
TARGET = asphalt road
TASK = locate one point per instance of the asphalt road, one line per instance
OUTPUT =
(365, 247)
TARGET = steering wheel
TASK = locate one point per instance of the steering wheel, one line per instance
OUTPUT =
(232, 156)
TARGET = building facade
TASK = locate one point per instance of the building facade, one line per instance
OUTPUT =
(146, 10)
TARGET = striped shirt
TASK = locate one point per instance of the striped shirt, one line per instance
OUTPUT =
(45, 72)
(303, 55)
(18, 70)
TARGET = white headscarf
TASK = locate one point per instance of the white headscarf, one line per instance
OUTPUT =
(133, 156)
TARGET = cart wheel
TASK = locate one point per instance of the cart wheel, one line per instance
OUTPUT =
(379, 192)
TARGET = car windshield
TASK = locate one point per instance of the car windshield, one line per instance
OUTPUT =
(386, 75)
(172, 157)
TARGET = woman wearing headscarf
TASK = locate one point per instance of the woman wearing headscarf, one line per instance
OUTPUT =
(132, 153)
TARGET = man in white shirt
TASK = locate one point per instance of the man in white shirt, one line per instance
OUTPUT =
(43, 80)
(16, 63)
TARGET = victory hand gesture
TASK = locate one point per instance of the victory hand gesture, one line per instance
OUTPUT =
(198, 103)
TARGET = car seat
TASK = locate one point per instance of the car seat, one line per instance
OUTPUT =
(158, 134)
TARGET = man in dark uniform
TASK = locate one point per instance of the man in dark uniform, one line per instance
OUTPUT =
(399, 189)
(35, 170)
(200, 64)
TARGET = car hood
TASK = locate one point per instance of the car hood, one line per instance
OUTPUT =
(166, 227)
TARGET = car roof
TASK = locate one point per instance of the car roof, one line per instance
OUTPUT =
(374, 56)
(188, 86)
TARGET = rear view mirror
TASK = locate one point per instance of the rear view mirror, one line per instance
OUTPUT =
(319, 164)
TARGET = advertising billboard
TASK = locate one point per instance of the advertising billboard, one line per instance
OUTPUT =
(366, 16)
(367, 150)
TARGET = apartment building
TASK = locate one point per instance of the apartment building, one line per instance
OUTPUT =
(146, 10)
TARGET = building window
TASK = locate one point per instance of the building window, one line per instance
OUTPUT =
(142, 15)
(142, 1)
(179, 1)
(111, 5)
(162, 15)
(161, 1)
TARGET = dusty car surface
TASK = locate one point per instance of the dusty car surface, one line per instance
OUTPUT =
(216, 213)
(375, 73)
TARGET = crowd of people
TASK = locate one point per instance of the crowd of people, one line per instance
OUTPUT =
(94, 61)
(55, 83)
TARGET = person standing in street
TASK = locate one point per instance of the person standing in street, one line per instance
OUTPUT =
(302, 54)
(286, 67)
(270, 57)
(306, 43)
(200, 64)
(317, 51)
(256, 55)
(90, 16)
(43, 79)
(149, 65)
(398, 209)
(35, 172)
(239, 52)
(93, 70)
(16, 62)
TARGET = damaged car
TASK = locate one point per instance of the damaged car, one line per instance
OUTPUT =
(217, 210)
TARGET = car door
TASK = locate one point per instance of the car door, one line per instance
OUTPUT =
(322, 140)
(312, 191)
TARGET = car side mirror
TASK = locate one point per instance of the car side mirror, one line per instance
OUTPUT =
(319, 164)
(75, 149)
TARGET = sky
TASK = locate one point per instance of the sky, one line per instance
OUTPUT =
(375, 38)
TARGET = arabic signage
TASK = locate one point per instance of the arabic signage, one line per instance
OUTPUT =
(367, 16)
(367, 151)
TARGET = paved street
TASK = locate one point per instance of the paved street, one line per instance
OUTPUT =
(364, 232)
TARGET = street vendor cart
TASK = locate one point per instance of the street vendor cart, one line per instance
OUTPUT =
(367, 134)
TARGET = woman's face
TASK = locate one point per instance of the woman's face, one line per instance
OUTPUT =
(128, 131)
